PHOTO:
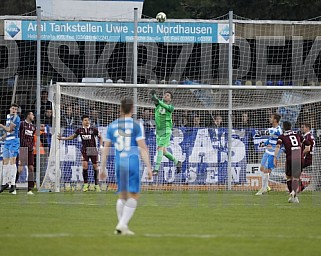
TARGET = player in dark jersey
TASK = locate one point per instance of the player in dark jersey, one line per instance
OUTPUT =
(292, 142)
(308, 152)
(89, 150)
(26, 155)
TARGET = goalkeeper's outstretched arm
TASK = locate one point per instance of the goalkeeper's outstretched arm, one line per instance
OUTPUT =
(154, 97)
(169, 108)
(157, 101)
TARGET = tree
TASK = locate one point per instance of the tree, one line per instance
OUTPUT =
(17, 7)
(172, 8)
(205, 9)
(252, 9)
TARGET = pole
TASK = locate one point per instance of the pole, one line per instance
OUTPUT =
(230, 103)
(38, 95)
(15, 85)
(57, 131)
(135, 60)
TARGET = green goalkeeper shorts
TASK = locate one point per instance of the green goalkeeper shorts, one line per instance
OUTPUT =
(163, 141)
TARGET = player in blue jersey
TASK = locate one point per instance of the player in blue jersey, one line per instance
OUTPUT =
(10, 149)
(267, 162)
(127, 137)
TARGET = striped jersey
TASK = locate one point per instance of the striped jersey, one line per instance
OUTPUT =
(274, 133)
(124, 134)
(88, 137)
(27, 132)
(14, 134)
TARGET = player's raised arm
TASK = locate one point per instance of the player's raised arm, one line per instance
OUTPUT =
(9, 128)
(168, 107)
(3, 137)
(154, 97)
(71, 137)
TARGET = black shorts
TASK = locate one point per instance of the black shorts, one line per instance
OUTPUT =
(90, 153)
(26, 157)
(93, 158)
(307, 162)
(293, 168)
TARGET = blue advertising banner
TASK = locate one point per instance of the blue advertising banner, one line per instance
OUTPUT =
(202, 151)
(167, 32)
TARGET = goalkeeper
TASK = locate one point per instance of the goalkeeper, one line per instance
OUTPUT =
(164, 125)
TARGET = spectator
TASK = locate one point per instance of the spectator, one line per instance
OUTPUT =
(45, 103)
(147, 119)
(77, 115)
(67, 118)
(244, 121)
(217, 121)
(48, 117)
(95, 118)
(195, 120)
(251, 152)
(182, 120)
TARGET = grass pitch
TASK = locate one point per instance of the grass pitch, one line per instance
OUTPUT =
(168, 223)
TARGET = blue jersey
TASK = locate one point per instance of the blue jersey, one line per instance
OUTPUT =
(274, 132)
(14, 134)
(124, 134)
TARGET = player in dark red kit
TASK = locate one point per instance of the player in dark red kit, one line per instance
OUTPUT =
(308, 152)
(27, 132)
(292, 143)
(89, 150)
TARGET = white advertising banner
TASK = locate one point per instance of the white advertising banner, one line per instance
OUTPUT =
(90, 9)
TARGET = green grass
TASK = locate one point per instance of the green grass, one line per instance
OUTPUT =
(171, 223)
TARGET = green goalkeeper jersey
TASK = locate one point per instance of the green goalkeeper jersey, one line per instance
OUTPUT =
(163, 118)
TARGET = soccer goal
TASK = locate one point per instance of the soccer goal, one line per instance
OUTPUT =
(199, 138)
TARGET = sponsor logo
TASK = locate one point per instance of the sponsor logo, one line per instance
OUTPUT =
(86, 137)
(225, 32)
(12, 29)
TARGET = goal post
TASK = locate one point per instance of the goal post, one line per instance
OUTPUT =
(200, 132)
(189, 52)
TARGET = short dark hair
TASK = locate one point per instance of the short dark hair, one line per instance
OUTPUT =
(14, 105)
(287, 125)
(169, 92)
(28, 112)
(126, 105)
(308, 125)
(84, 116)
(277, 117)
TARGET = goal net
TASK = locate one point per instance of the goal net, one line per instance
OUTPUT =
(186, 52)
(200, 133)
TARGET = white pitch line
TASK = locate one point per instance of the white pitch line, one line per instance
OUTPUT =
(198, 236)
(206, 236)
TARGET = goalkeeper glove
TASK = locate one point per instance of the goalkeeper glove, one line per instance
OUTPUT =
(154, 97)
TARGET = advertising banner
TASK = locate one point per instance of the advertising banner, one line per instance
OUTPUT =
(203, 153)
(167, 32)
